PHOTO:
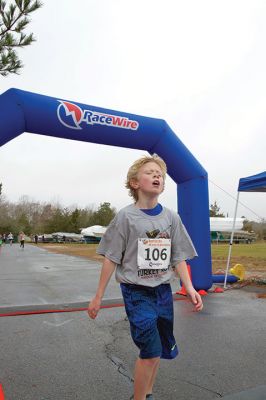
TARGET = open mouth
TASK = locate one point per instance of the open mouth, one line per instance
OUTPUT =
(156, 184)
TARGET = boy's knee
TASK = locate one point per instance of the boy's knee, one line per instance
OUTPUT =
(149, 362)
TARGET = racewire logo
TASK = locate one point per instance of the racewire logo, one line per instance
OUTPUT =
(72, 116)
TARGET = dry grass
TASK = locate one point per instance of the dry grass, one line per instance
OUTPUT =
(78, 250)
(251, 256)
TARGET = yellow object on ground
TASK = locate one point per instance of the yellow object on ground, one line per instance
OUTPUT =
(239, 271)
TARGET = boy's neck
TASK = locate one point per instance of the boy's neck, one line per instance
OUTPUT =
(147, 203)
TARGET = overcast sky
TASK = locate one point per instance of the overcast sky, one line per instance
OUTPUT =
(200, 65)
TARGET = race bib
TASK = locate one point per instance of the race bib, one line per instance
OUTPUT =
(154, 253)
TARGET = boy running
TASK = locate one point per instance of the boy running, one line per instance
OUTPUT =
(145, 244)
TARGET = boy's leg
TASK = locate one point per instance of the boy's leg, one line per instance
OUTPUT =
(141, 308)
(154, 374)
(145, 373)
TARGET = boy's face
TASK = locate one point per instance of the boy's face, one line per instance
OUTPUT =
(149, 179)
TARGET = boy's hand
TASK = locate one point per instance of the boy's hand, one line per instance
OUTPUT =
(94, 307)
(195, 299)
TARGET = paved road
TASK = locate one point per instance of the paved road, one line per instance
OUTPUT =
(34, 276)
(61, 356)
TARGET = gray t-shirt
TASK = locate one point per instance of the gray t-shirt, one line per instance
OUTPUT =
(120, 244)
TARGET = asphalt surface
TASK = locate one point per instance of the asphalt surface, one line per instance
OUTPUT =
(65, 355)
(34, 276)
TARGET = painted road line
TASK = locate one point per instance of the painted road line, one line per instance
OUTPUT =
(2, 396)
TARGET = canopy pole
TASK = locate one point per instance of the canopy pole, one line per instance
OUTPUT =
(231, 242)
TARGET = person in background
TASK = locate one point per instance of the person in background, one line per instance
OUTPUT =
(22, 239)
(10, 238)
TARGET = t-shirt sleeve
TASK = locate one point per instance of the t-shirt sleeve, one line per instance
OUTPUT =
(113, 243)
(181, 243)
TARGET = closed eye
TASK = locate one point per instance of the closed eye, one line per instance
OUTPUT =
(154, 173)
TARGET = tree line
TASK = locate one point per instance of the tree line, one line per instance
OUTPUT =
(33, 217)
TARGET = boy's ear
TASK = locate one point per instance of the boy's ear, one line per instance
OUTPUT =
(134, 183)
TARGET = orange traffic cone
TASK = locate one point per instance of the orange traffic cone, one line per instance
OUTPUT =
(218, 290)
(183, 291)
(202, 292)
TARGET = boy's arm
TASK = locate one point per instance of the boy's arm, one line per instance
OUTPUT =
(181, 270)
(108, 268)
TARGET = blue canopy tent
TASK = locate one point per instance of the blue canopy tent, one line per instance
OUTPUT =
(254, 183)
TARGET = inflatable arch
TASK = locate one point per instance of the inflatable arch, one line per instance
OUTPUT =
(22, 111)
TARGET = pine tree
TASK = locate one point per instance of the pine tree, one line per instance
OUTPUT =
(104, 215)
(14, 18)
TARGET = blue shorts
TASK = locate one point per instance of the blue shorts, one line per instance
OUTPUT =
(150, 313)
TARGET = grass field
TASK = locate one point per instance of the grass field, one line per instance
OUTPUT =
(251, 256)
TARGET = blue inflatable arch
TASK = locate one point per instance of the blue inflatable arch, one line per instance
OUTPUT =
(22, 111)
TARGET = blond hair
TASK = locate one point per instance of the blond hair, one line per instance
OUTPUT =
(135, 167)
